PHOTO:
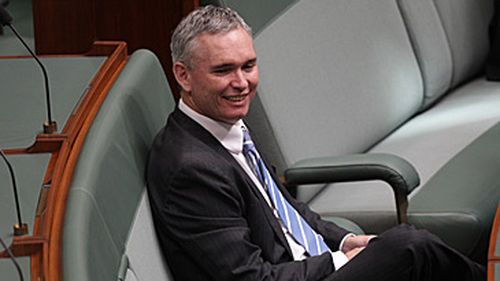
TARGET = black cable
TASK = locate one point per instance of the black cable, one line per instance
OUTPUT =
(13, 258)
(45, 75)
(14, 186)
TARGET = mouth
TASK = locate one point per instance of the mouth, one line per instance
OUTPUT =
(235, 98)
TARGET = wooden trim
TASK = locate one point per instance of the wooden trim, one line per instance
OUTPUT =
(57, 200)
(494, 235)
(44, 246)
(492, 259)
(44, 143)
(117, 53)
(25, 246)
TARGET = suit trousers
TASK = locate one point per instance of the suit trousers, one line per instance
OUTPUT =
(405, 253)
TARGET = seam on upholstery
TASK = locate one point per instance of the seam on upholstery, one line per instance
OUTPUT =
(440, 17)
(317, 194)
(414, 43)
(276, 16)
(94, 203)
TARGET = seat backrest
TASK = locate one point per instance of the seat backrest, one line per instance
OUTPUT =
(109, 179)
(450, 39)
(336, 78)
(257, 13)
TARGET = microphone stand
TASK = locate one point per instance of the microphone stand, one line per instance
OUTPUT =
(20, 228)
(50, 126)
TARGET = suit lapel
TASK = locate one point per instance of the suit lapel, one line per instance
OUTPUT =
(197, 131)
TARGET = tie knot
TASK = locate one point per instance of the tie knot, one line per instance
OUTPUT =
(248, 144)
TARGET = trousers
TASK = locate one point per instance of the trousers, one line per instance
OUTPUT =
(406, 253)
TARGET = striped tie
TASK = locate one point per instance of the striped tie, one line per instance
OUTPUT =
(298, 227)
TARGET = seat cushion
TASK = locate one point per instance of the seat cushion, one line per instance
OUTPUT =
(454, 147)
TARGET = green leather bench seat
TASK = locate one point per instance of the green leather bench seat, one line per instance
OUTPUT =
(108, 184)
(108, 231)
(497, 272)
(22, 112)
(23, 106)
(399, 77)
(29, 171)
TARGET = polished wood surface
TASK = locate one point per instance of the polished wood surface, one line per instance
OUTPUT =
(494, 259)
(63, 27)
(71, 26)
(104, 81)
(44, 245)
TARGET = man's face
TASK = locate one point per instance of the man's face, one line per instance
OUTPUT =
(223, 76)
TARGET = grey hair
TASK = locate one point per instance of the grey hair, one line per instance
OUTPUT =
(208, 19)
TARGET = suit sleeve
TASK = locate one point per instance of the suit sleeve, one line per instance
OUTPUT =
(205, 213)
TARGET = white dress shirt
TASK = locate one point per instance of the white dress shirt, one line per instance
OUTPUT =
(231, 137)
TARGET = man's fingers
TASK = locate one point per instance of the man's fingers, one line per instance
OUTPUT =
(352, 253)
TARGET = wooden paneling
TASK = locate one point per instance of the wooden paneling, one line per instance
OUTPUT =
(63, 27)
(71, 26)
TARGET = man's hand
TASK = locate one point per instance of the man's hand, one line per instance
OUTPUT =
(353, 245)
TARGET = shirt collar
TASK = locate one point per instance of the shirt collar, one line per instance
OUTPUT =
(230, 136)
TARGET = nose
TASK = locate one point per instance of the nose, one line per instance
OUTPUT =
(239, 80)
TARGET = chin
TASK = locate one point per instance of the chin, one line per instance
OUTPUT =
(233, 119)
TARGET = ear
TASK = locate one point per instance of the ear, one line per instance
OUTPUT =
(182, 75)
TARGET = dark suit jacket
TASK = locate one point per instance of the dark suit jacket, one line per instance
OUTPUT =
(211, 220)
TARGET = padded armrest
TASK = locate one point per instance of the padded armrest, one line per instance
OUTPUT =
(394, 170)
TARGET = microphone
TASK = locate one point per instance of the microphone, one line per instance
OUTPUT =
(50, 126)
(20, 228)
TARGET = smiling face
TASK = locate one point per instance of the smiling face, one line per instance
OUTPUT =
(222, 77)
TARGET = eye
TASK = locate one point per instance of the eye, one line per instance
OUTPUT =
(222, 70)
(249, 66)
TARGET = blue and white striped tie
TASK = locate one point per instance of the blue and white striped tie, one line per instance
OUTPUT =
(298, 227)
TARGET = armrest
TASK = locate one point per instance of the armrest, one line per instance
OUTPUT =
(394, 170)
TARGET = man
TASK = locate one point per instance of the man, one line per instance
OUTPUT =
(219, 212)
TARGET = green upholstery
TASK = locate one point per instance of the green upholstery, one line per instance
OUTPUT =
(108, 183)
(397, 77)
(356, 167)
(9, 271)
(257, 13)
(23, 109)
(395, 171)
(346, 224)
(22, 13)
(497, 272)
(29, 171)
(471, 186)
(22, 112)
(497, 248)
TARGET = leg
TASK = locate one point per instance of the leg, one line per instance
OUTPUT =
(404, 253)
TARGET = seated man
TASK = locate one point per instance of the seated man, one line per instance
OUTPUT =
(221, 214)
